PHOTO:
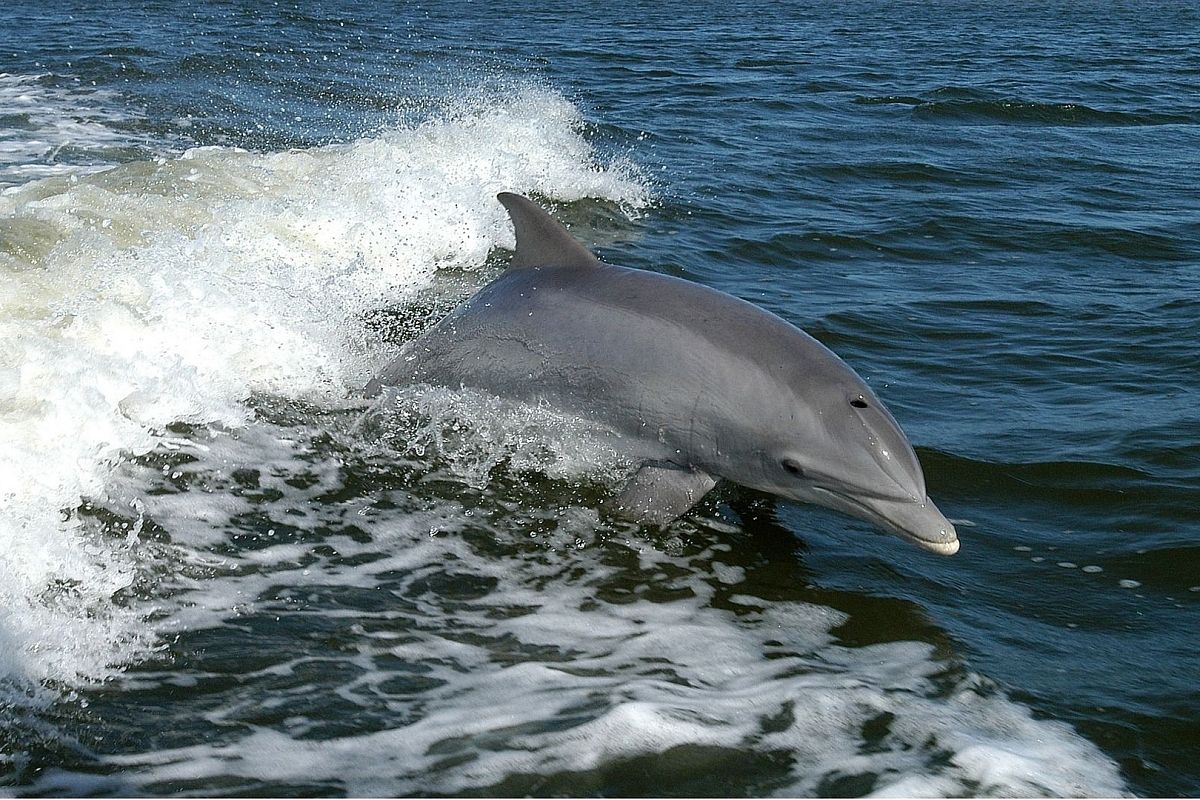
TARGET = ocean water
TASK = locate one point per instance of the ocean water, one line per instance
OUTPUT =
(223, 573)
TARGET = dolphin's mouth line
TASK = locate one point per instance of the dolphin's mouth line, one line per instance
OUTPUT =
(850, 500)
(821, 482)
(941, 547)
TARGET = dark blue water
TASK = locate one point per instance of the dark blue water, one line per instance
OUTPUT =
(217, 584)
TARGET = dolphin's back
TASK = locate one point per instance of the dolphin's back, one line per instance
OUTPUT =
(620, 344)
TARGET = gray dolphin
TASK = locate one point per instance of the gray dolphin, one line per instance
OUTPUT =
(700, 385)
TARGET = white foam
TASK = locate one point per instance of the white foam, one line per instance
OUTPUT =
(475, 432)
(55, 117)
(154, 293)
(538, 674)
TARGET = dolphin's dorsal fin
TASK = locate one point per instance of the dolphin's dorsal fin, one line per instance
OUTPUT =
(541, 240)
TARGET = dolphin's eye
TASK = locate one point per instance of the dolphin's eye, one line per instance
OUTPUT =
(792, 468)
(858, 402)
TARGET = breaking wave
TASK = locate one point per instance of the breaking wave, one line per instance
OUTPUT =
(172, 290)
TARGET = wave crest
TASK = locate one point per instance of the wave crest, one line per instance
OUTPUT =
(173, 290)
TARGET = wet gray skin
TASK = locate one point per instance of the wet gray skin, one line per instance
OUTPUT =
(701, 385)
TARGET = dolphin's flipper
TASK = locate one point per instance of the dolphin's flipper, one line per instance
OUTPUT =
(542, 241)
(659, 493)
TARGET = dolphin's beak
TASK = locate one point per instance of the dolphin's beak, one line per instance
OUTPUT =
(916, 520)
(921, 522)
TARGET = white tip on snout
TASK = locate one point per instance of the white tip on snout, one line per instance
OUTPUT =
(941, 548)
(921, 523)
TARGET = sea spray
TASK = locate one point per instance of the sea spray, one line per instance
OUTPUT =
(173, 290)
(403, 631)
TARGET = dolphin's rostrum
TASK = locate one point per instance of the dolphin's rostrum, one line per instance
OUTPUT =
(701, 385)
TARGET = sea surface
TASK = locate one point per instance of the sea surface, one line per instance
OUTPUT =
(222, 572)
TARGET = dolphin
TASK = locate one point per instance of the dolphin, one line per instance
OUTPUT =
(699, 384)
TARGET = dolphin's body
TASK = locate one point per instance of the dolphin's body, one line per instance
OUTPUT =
(701, 385)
